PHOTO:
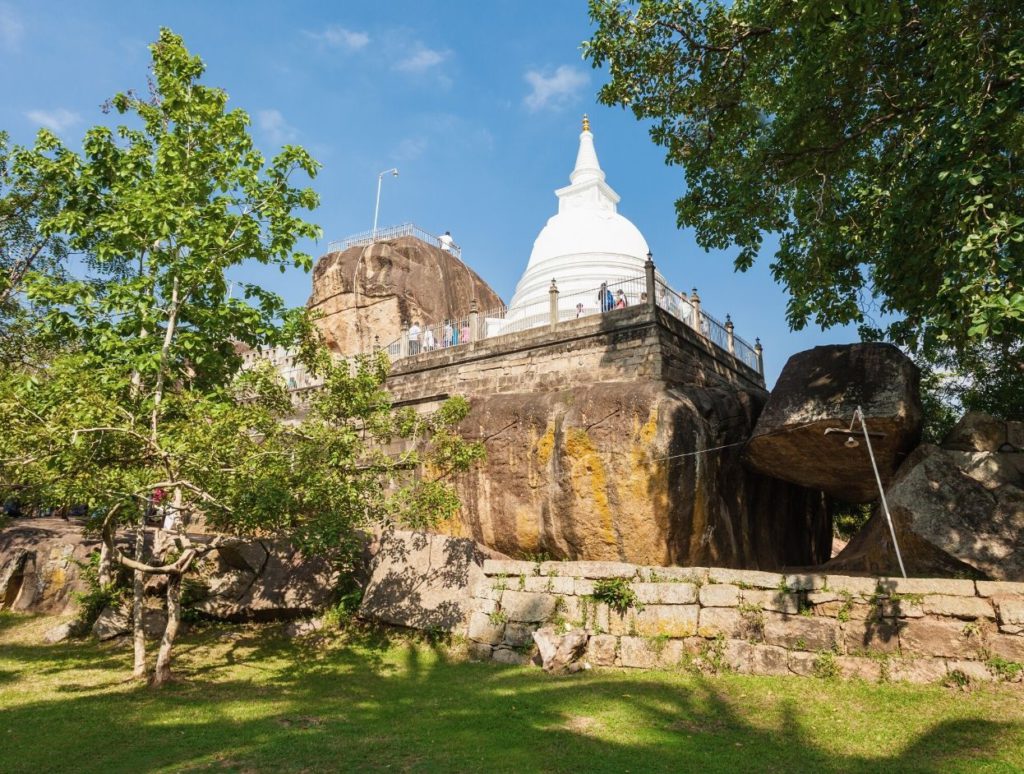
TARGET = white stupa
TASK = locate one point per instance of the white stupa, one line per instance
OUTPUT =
(588, 242)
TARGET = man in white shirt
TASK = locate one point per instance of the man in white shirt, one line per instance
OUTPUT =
(414, 338)
(446, 241)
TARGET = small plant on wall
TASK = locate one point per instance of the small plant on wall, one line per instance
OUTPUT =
(617, 593)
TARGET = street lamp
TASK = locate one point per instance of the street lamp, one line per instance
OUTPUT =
(380, 179)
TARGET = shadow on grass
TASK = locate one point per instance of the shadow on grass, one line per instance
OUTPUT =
(273, 704)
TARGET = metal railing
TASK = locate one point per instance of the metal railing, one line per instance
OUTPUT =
(394, 232)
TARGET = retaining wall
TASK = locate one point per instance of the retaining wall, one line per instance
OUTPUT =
(918, 630)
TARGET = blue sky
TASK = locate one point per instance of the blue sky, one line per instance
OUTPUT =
(477, 103)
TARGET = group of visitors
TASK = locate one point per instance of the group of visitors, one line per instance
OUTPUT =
(423, 339)
(609, 301)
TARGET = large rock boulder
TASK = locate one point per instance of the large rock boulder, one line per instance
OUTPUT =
(423, 581)
(821, 388)
(633, 472)
(368, 295)
(263, 580)
(957, 511)
(40, 564)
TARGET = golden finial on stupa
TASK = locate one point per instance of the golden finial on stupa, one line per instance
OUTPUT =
(586, 123)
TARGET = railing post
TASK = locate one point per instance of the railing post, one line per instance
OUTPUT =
(730, 335)
(649, 277)
(695, 303)
(376, 342)
(403, 344)
(759, 351)
(474, 322)
(553, 297)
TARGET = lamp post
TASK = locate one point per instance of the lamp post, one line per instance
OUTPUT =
(380, 179)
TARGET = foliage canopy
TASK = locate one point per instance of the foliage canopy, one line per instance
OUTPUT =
(882, 140)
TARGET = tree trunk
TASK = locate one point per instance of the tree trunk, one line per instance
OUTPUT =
(163, 659)
(138, 600)
(105, 575)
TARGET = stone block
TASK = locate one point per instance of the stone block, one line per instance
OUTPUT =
(527, 606)
(593, 616)
(1011, 611)
(742, 578)
(726, 621)
(508, 567)
(950, 586)
(975, 671)
(597, 570)
(518, 634)
(483, 605)
(777, 601)
(802, 633)
(1007, 646)
(899, 608)
(756, 659)
(806, 581)
(928, 637)
(1000, 588)
(645, 653)
(583, 587)
(850, 584)
(479, 651)
(695, 575)
(719, 595)
(549, 584)
(823, 597)
(968, 608)
(871, 636)
(803, 664)
(668, 620)
(859, 668)
(601, 649)
(509, 656)
(482, 629)
(558, 569)
(666, 593)
(917, 670)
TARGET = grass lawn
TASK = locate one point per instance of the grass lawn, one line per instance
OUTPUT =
(252, 700)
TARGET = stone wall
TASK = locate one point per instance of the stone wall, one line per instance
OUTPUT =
(635, 344)
(918, 630)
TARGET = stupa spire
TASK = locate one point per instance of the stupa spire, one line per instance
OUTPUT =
(587, 166)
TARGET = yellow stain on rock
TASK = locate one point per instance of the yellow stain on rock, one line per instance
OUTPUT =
(589, 465)
(644, 490)
(527, 530)
(545, 445)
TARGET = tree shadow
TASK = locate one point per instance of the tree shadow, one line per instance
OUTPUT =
(378, 701)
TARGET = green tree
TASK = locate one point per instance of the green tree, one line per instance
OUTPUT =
(880, 139)
(152, 397)
(27, 194)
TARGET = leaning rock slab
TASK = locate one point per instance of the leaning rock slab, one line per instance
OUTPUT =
(821, 388)
(957, 513)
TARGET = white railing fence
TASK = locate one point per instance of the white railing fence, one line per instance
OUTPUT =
(394, 232)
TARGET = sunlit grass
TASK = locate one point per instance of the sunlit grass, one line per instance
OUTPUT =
(251, 700)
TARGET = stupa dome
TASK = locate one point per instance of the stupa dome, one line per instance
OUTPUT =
(586, 243)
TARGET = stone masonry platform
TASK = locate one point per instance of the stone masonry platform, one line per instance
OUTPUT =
(877, 629)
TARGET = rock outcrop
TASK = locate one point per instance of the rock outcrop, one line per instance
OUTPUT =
(633, 471)
(821, 388)
(40, 564)
(958, 508)
(369, 294)
(422, 580)
(263, 581)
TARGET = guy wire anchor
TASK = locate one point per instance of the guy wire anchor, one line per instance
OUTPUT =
(852, 443)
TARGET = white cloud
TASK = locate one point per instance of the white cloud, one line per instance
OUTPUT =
(11, 29)
(55, 120)
(337, 36)
(555, 90)
(421, 59)
(275, 127)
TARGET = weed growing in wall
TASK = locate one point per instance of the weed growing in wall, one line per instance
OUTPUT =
(617, 593)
